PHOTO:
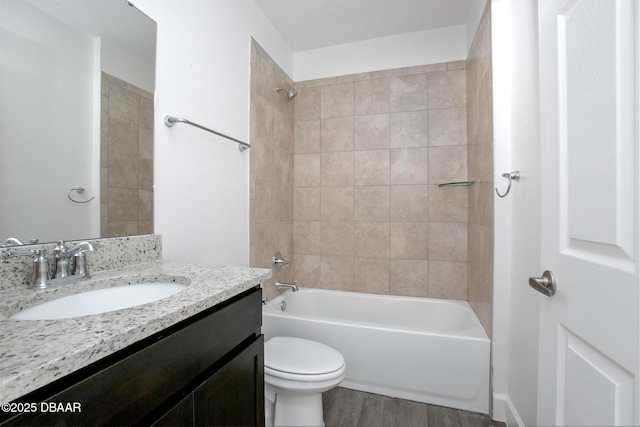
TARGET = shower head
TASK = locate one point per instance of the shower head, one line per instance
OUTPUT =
(290, 92)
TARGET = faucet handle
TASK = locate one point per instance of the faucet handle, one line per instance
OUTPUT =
(278, 262)
(40, 269)
(80, 265)
(40, 265)
(10, 253)
(60, 248)
(12, 241)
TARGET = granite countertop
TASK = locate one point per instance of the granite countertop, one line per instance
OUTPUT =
(34, 353)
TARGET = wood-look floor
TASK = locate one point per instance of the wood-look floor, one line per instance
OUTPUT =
(351, 408)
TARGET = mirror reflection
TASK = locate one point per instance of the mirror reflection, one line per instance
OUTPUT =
(76, 112)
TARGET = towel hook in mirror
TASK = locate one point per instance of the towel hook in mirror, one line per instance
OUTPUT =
(78, 190)
(511, 176)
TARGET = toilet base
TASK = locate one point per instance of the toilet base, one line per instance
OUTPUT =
(298, 410)
(269, 406)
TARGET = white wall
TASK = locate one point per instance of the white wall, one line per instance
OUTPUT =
(405, 50)
(46, 116)
(203, 75)
(517, 216)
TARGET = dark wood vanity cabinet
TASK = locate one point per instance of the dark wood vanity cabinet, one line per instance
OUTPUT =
(232, 396)
(206, 371)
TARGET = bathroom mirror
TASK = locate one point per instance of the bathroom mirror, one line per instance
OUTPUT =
(76, 119)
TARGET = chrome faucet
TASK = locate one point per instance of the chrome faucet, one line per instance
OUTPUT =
(63, 256)
(292, 286)
(42, 276)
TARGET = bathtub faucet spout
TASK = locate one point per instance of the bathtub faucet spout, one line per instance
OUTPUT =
(292, 286)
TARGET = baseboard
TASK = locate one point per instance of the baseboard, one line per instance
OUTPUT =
(503, 410)
(498, 407)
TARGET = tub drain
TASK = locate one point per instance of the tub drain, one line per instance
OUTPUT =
(283, 306)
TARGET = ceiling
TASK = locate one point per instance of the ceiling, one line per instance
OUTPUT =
(303, 24)
(313, 24)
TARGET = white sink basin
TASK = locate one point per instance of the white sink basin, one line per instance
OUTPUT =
(100, 301)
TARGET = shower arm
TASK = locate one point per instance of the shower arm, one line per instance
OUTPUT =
(291, 93)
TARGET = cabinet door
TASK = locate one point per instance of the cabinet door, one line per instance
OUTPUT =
(179, 415)
(234, 396)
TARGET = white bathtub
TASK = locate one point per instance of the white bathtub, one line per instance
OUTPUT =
(427, 350)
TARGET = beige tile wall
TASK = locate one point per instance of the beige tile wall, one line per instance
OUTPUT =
(126, 159)
(344, 178)
(480, 151)
(271, 170)
(369, 153)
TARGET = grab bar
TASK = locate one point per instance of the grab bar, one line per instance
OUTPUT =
(457, 184)
(170, 121)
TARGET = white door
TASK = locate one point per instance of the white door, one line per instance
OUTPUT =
(589, 331)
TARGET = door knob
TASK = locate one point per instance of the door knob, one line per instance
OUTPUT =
(545, 284)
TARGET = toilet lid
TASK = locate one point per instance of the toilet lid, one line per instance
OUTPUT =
(300, 356)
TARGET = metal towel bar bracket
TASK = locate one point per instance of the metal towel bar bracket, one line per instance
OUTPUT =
(170, 121)
(511, 176)
(78, 190)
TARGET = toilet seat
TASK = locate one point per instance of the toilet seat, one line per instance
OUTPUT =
(299, 359)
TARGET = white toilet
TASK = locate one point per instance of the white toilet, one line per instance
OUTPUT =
(296, 372)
